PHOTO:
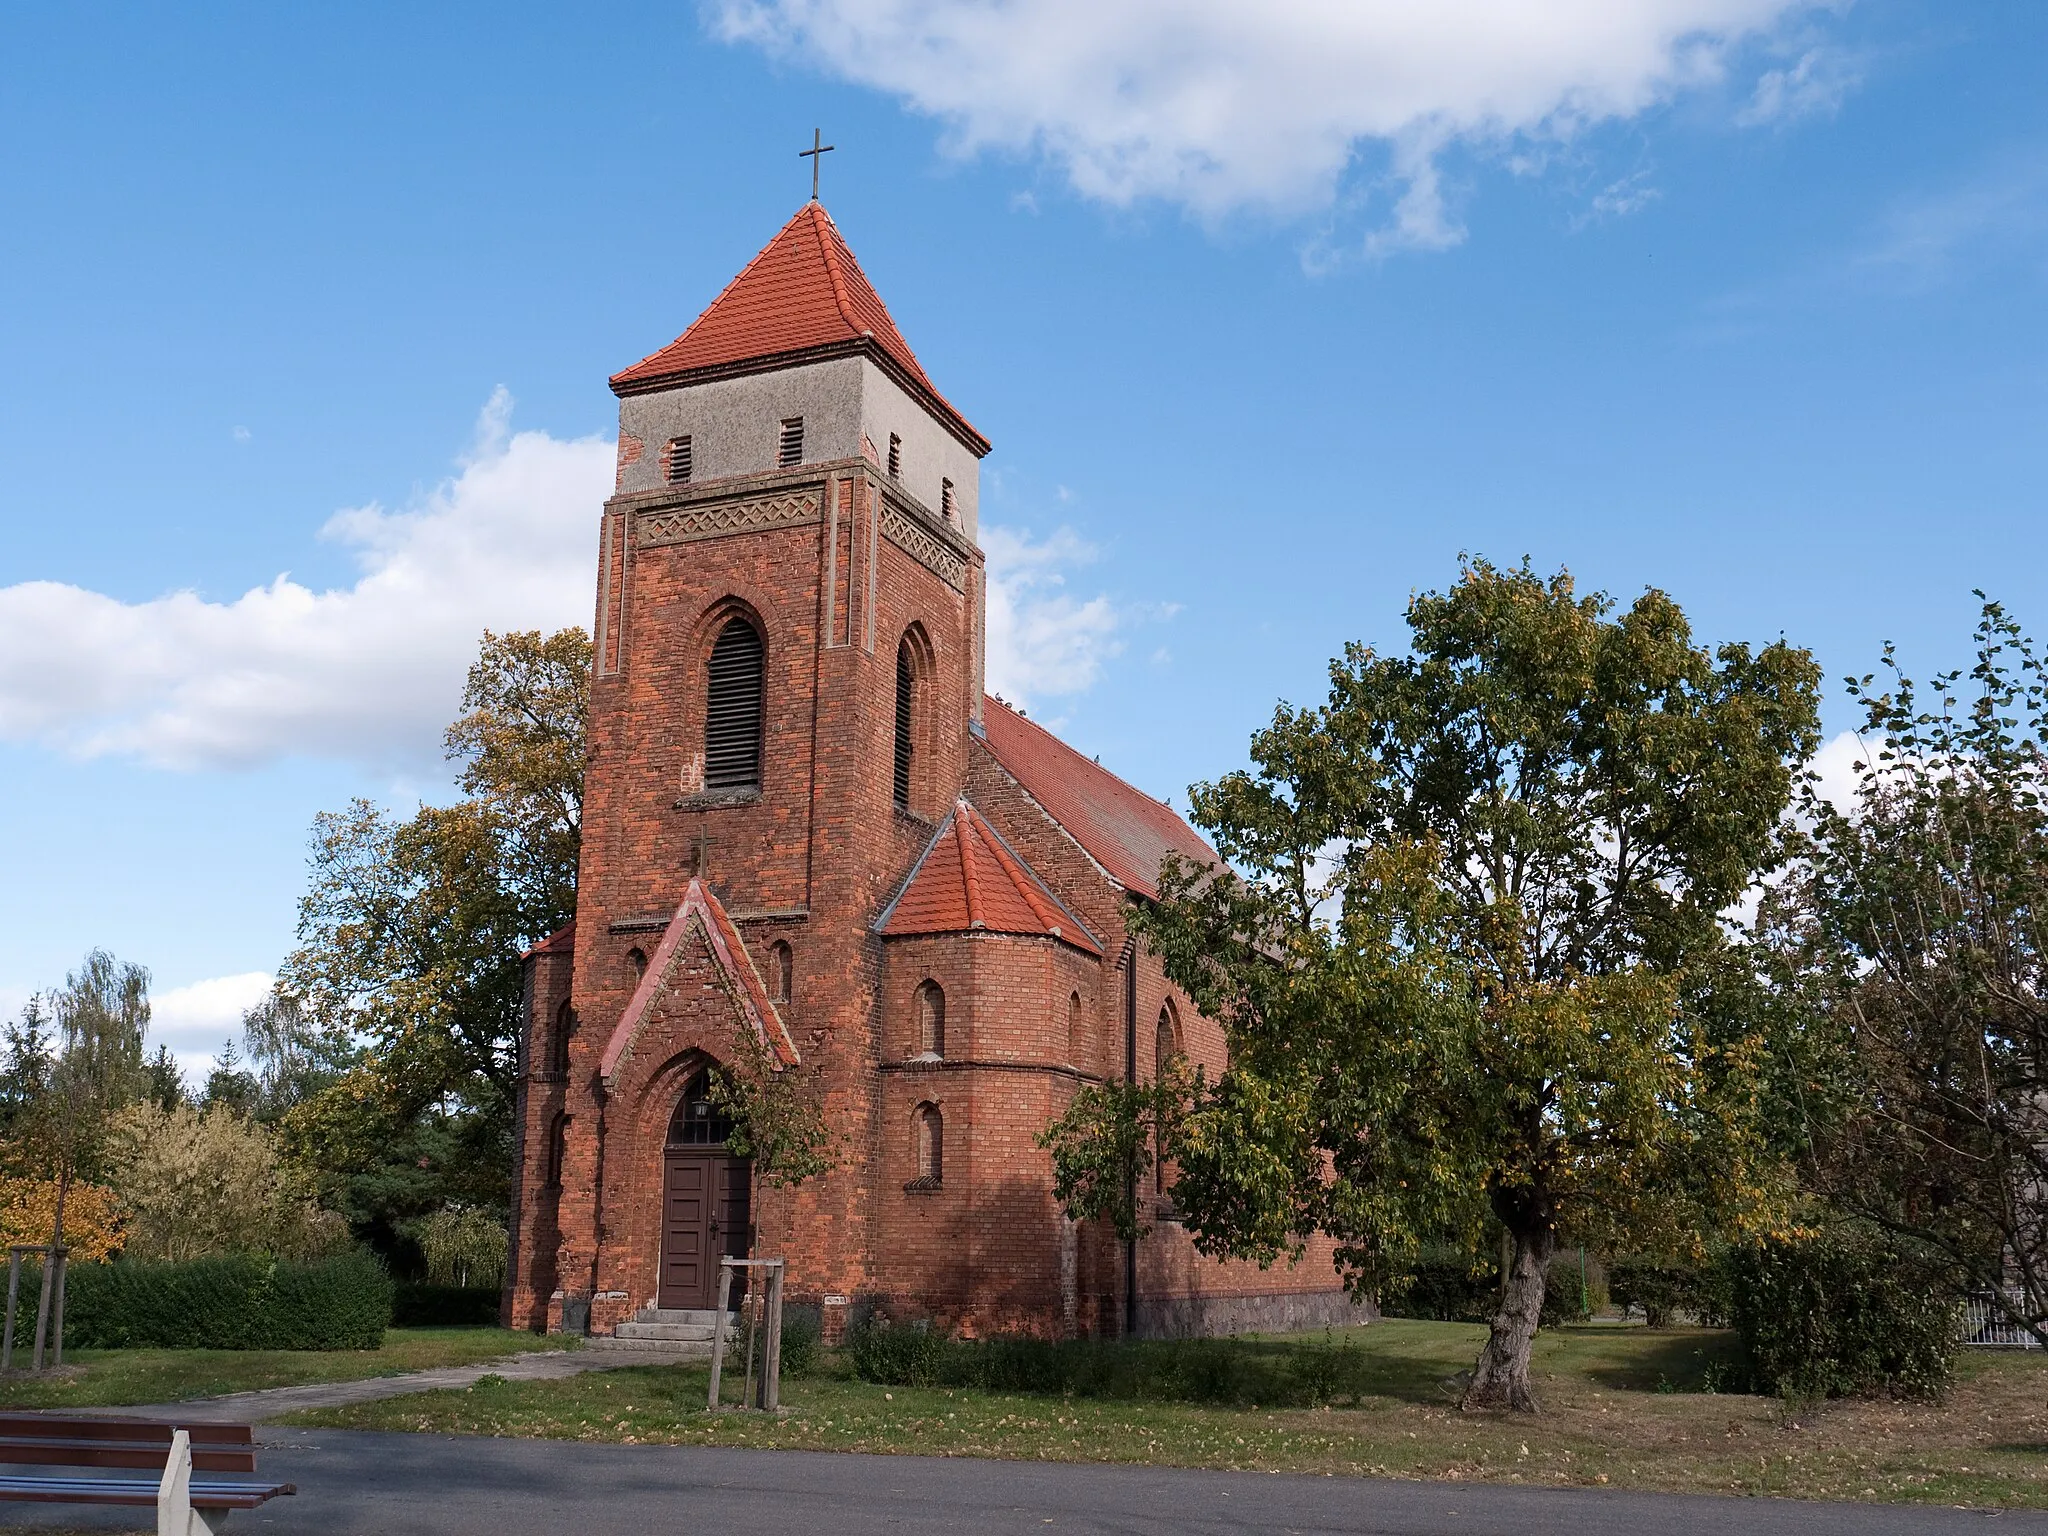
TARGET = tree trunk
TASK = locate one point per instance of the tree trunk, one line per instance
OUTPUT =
(1502, 1377)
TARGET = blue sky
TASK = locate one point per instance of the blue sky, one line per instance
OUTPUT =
(1269, 310)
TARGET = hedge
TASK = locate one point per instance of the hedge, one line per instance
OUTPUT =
(1841, 1313)
(421, 1304)
(1295, 1373)
(231, 1302)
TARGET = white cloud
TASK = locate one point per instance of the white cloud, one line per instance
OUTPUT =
(1998, 214)
(1835, 763)
(1813, 86)
(369, 673)
(1619, 199)
(1042, 640)
(195, 1021)
(1224, 105)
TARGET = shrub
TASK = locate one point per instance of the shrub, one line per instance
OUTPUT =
(193, 1183)
(1841, 1313)
(92, 1219)
(1662, 1290)
(896, 1354)
(422, 1304)
(231, 1302)
(1574, 1288)
(1290, 1374)
(1447, 1287)
(801, 1334)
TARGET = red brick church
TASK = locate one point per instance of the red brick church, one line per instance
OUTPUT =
(806, 825)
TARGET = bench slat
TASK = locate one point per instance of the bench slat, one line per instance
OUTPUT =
(32, 1426)
(119, 1453)
(128, 1492)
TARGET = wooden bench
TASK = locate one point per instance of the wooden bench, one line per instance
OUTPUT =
(185, 1506)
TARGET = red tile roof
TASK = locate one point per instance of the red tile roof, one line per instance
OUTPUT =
(561, 942)
(968, 879)
(729, 953)
(1122, 828)
(802, 293)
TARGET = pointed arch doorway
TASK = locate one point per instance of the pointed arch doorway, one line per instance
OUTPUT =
(706, 1200)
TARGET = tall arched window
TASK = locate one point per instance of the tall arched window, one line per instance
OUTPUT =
(636, 966)
(906, 696)
(558, 1040)
(1165, 1042)
(911, 768)
(558, 1149)
(931, 1147)
(732, 708)
(781, 971)
(1075, 1044)
(1165, 1050)
(931, 1019)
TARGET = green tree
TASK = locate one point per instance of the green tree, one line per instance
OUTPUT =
(1917, 930)
(25, 1069)
(1455, 948)
(410, 943)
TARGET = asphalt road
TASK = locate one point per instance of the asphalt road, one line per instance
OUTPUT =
(431, 1485)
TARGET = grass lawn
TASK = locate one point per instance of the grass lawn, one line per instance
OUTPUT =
(1624, 1407)
(101, 1378)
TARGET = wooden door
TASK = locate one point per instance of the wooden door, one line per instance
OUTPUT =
(689, 1223)
(705, 1216)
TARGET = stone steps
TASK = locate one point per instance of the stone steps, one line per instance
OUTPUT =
(666, 1333)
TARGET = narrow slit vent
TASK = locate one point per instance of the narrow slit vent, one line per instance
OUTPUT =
(679, 460)
(946, 501)
(732, 710)
(895, 457)
(790, 452)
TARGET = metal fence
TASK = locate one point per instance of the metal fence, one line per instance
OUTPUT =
(1985, 1327)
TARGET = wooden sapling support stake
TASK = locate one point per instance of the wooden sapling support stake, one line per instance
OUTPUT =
(762, 1303)
(718, 1332)
(13, 1305)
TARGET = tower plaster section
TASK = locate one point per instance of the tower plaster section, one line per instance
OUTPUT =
(834, 560)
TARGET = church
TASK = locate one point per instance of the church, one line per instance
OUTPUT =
(810, 835)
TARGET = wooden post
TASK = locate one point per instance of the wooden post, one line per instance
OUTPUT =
(43, 1305)
(753, 1328)
(13, 1299)
(57, 1314)
(771, 1354)
(718, 1330)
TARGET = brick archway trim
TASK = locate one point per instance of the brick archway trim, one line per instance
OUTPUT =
(702, 912)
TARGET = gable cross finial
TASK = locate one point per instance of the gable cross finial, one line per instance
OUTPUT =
(817, 152)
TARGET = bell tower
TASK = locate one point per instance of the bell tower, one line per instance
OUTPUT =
(788, 673)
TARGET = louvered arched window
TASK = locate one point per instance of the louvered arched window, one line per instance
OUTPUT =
(906, 698)
(732, 710)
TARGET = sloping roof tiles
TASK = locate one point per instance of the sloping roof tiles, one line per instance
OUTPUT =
(1122, 828)
(804, 291)
(561, 942)
(967, 880)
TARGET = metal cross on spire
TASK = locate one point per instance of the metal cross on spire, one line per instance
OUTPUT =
(818, 150)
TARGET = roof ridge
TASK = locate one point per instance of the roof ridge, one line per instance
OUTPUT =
(820, 221)
(968, 877)
(1025, 881)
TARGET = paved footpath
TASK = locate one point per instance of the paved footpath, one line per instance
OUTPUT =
(353, 1483)
(275, 1402)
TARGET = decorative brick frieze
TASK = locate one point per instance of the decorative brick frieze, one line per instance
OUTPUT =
(716, 519)
(924, 547)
